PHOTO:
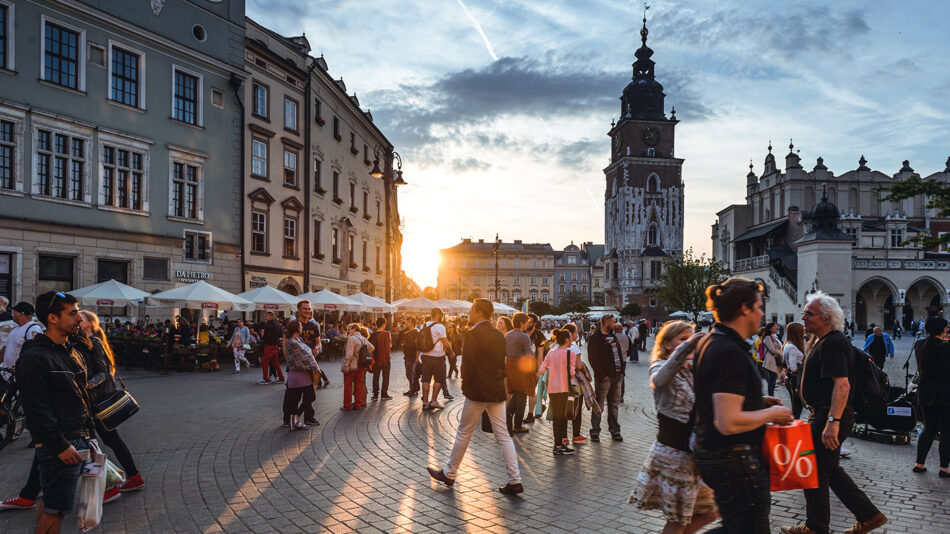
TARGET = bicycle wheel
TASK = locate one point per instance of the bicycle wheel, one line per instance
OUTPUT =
(8, 425)
(19, 418)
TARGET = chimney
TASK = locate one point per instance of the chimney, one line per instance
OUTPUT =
(466, 241)
(517, 241)
(481, 240)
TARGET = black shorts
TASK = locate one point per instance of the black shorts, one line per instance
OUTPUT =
(433, 367)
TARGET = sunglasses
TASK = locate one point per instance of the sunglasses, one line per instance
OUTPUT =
(54, 297)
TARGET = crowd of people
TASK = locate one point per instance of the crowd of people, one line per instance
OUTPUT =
(706, 463)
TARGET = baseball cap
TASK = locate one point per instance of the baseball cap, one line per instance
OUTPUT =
(24, 307)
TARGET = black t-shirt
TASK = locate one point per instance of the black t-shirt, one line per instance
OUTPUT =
(310, 333)
(272, 332)
(724, 364)
(828, 359)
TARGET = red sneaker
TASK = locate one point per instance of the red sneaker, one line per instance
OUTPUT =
(580, 439)
(111, 495)
(132, 484)
(17, 503)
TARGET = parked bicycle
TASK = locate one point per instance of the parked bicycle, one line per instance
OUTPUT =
(12, 419)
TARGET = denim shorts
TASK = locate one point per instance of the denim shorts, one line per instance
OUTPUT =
(60, 482)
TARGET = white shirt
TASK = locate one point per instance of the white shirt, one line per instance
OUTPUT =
(438, 332)
(15, 340)
(792, 356)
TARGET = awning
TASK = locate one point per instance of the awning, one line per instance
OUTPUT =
(762, 230)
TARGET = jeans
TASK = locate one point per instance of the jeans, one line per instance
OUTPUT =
(299, 401)
(471, 417)
(411, 373)
(381, 370)
(936, 419)
(515, 411)
(770, 378)
(541, 391)
(111, 439)
(60, 482)
(269, 358)
(607, 390)
(740, 483)
(354, 389)
(832, 476)
(239, 357)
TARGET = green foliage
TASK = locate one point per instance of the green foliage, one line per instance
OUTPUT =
(683, 282)
(936, 196)
(542, 308)
(599, 299)
(631, 309)
(574, 301)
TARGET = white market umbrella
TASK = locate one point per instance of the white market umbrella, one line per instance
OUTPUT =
(679, 314)
(465, 305)
(450, 306)
(376, 304)
(200, 295)
(327, 300)
(110, 293)
(270, 298)
(417, 305)
(503, 309)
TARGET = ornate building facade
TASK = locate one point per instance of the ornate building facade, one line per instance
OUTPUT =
(805, 230)
(525, 271)
(643, 216)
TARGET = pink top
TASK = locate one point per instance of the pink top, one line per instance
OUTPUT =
(556, 365)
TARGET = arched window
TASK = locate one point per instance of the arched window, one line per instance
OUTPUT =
(652, 235)
(653, 183)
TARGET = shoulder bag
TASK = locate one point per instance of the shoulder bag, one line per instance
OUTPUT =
(114, 410)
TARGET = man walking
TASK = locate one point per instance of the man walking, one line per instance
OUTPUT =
(519, 370)
(25, 330)
(382, 340)
(51, 376)
(433, 360)
(273, 333)
(483, 384)
(310, 335)
(879, 346)
(826, 391)
(606, 360)
(731, 411)
(410, 350)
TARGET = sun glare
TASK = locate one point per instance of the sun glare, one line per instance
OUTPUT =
(420, 259)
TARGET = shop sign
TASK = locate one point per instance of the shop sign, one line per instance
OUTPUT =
(191, 276)
(271, 307)
(258, 281)
(105, 302)
(209, 305)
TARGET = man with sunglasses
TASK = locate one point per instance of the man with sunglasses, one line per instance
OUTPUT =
(51, 376)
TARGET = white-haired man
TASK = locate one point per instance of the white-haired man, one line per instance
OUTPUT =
(826, 392)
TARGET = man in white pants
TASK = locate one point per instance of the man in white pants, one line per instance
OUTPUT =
(483, 384)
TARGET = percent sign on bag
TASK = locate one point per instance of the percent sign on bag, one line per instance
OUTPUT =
(790, 453)
(803, 464)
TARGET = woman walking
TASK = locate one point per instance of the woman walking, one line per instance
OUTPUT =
(301, 368)
(669, 479)
(933, 393)
(354, 376)
(772, 355)
(793, 352)
(560, 364)
(100, 368)
(238, 349)
(580, 371)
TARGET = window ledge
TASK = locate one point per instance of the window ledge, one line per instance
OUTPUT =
(379, 223)
(260, 117)
(286, 257)
(130, 211)
(183, 123)
(338, 201)
(288, 130)
(59, 200)
(292, 186)
(197, 262)
(367, 216)
(261, 178)
(126, 106)
(354, 150)
(336, 261)
(338, 137)
(353, 209)
(12, 192)
(63, 87)
(318, 257)
(9, 72)
(320, 121)
(184, 219)
(254, 253)
(320, 191)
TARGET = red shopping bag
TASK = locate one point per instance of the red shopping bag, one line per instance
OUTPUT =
(790, 453)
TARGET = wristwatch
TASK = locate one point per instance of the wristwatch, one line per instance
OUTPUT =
(834, 419)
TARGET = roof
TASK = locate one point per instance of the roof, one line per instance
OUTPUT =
(594, 251)
(762, 230)
(467, 245)
(653, 252)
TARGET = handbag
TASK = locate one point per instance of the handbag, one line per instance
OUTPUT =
(114, 410)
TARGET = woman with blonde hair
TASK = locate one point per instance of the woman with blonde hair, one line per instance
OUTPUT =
(669, 479)
(354, 376)
(101, 384)
(793, 352)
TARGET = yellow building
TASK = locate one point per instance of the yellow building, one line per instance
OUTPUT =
(524, 270)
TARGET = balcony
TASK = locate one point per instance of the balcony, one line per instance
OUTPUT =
(756, 262)
(891, 264)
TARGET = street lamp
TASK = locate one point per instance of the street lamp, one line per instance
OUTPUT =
(495, 248)
(389, 189)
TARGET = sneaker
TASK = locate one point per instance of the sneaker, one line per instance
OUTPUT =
(565, 441)
(294, 419)
(564, 450)
(798, 529)
(132, 484)
(386, 397)
(844, 452)
(111, 495)
(312, 422)
(262, 381)
(528, 420)
(278, 381)
(861, 527)
(301, 426)
(580, 439)
(434, 405)
(595, 438)
(18, 503)
(617, 437)
(448, 397)
(375, 398)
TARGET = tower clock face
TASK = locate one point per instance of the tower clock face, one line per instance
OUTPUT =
(650, 135)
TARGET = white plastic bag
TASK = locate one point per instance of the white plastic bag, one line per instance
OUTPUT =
(91, 489)
(114, 475)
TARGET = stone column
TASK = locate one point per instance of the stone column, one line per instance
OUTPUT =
(898, 314)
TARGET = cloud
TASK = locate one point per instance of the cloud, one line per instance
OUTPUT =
(469, 164)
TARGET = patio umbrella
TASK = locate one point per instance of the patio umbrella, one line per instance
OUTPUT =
(329, 301)
(679, 314)
(376, 304)
(450, 306)
(503, 309)
(418, 305)
(109, 293)
(466, 305)
(200, 295)
(270, 298)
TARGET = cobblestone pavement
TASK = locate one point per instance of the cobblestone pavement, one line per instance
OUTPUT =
(215, 459)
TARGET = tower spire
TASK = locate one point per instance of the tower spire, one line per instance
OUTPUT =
(644, 31)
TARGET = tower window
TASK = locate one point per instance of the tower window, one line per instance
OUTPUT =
(652, 235)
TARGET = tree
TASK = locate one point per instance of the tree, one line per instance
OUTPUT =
(599, 298)
(683, 282)
(541, 308)
(631, 309)
(936, 195)
(574, 301)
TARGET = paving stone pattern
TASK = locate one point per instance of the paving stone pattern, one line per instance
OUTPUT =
(216, 459)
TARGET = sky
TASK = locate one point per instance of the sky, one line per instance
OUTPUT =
(500, 109)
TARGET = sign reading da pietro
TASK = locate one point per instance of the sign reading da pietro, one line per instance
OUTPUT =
(191, 276)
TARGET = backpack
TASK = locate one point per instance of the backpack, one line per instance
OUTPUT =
(426, 343)
(364, 358)
(869, 384)
(759, 356)
(409, 340)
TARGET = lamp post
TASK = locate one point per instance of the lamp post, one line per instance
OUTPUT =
(495, 248)
(389, 190)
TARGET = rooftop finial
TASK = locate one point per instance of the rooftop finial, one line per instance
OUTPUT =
(770, 146)
(824, 192)
(750, 165)
(644, 31)
(791, 145)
